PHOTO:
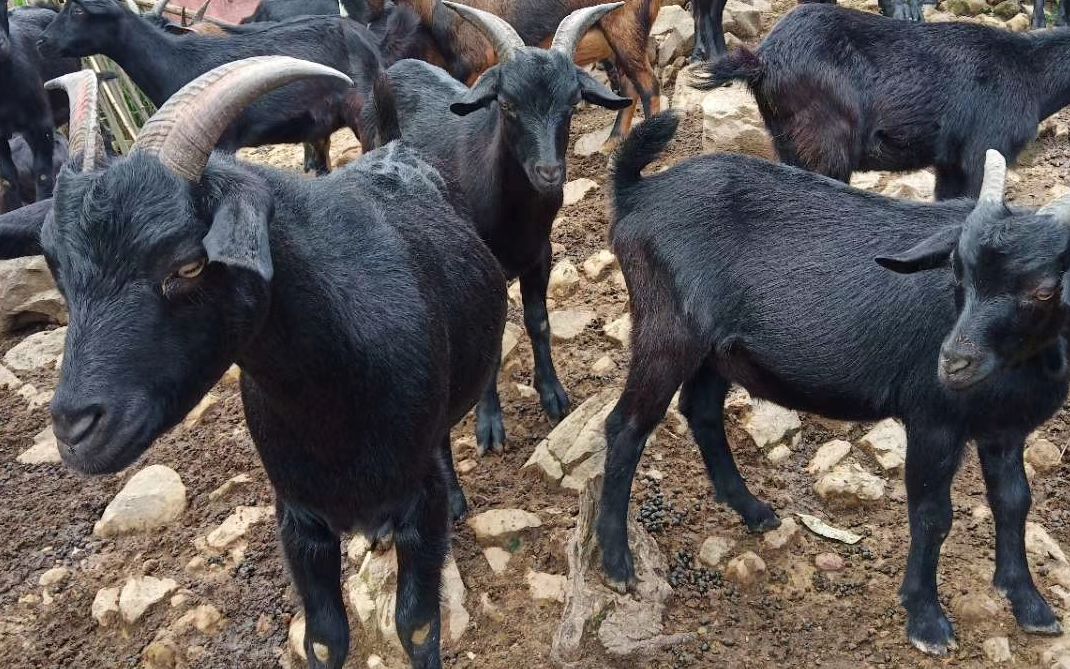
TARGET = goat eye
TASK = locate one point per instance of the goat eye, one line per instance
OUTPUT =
(191, 270)
(1044, 293)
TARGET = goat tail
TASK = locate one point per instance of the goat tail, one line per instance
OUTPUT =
(646, 142)
(386, 111)
(741, 64)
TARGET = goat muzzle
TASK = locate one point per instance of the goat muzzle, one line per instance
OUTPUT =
(184, 132)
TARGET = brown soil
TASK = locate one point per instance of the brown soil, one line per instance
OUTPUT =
(797, 618)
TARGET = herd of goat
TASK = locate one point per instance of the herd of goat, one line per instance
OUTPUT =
(366, 306)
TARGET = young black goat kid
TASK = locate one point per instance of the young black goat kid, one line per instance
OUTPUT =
(365, 314)
(842, 90)
(793, 307)
(501, 146)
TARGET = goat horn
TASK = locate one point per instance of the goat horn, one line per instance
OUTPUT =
(199, 16)
(159, 7)
(1059, 209)
(576, 24)
(495, 28)
(81, 88)
(995, 179)
(183, 133)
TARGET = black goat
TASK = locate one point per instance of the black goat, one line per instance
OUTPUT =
(501, 145)
(365, 314)
(281, 10)
(307, 111)
(25, 107)
(24, 189)
(842, 90)
(793, 307)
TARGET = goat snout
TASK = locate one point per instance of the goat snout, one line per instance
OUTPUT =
(551, 175)
(75, 425)
(961, 366)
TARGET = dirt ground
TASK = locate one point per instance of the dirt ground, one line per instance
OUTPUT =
(798, 617)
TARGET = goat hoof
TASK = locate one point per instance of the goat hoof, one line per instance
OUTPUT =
(458, 506)
(764, 522)
(932, 634)
(554, 401)
(622, 587)
(490, 435)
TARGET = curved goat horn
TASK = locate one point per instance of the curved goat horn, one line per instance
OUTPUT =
(159, 7)
(199, 16)
(575, 25)
(84, 129)
(1059, 209)
(494, 28)
(183, 133)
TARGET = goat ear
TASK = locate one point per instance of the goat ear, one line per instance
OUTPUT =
(239, 234)
(479, 96)
(597, 94)
(928, 254)
(20, 230)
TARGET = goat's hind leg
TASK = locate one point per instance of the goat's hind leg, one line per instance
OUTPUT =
(422, 540)
(318, 156)
(702, 403)
(1009, 497)
(315, 558)
(458, 504)
(490, 425)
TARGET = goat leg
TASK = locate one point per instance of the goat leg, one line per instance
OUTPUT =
(1009, 497)
(1039, 19)
(41, 146)
(533, 284)
(458, 504)
(932, 458)
(314, 556)
(10, 177)
(490, 425)
(422, 541)
(702, 403)
(318, 156)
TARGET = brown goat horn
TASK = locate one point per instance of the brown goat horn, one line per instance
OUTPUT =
(575, 25)
(183, 133)
(159, 7)
(494, 28)
(81, 88)
(199, 16)
(1059, 209)
(995, 180)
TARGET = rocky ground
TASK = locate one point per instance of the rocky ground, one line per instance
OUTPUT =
(175, 563)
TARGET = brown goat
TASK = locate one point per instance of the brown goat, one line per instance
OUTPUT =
(620, 38)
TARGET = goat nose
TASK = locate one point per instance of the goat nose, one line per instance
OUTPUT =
(954, 363)
(551, 174)
(73, 425)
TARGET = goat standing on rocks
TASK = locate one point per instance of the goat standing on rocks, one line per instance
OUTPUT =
(365, 314)
(501, 146)
(743, 271)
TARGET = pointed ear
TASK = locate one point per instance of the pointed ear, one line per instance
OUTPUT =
(597, 94)
(239, 234)
(480, 95)
(928, 254)
(20, 230)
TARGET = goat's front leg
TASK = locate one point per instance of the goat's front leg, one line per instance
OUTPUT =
(1062, 15)
(709, 30)
(41, 143)
(10, 175)
(422, 540)
(1039, 20)
(533, 284)
(315, 558)
(490, 425)
(1008, 494)
(932, 458)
